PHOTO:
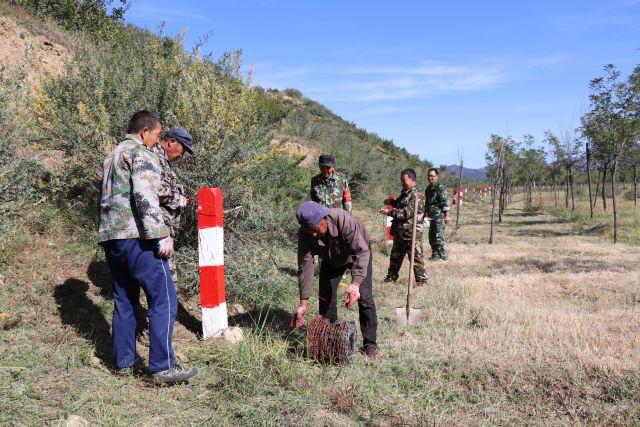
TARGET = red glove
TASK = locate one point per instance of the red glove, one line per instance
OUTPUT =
(351, 295)
(296, 319)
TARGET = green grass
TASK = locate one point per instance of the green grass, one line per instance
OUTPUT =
(483, 354)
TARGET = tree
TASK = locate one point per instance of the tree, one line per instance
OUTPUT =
(566, 151)
(613, 122)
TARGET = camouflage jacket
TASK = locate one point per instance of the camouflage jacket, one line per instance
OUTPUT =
(129, 206)
(332, 193)
(436, 200)
(402, 214)
(171, 193)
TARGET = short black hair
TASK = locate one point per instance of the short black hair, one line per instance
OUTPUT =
(410, 172)
(434, 170)
(143, 119)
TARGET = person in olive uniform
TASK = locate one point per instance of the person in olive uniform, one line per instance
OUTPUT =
(437, 208)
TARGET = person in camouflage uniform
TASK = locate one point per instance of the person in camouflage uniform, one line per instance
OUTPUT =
(402, 227)
(437, 208)
(171, 193)
(137, 243)
(330, 188)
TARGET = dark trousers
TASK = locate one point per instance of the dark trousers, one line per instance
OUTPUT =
(330, 278)
(135, 265)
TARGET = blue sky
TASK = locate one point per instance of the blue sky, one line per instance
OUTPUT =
(434, 77)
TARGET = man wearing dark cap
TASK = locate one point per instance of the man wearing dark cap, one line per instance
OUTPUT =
(402, 212)
(330, 188)
(341, 243)
(172, 196)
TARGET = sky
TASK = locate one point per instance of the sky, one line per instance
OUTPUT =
(438, 78)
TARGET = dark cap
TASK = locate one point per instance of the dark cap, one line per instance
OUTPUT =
(311, 213)
(326, 160)
(182, 136)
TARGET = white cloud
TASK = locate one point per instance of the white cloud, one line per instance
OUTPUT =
(375, 82)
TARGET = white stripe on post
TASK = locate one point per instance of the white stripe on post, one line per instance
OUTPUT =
(211, 261)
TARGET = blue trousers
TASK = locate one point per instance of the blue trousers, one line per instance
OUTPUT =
(135, 265)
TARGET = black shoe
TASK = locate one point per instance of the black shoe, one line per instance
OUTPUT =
(371, 352)
(421, 284)
(390, 279)
(175, 374)
(125, 372)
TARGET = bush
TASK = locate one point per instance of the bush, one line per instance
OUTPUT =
(18, 173)
(86, 110)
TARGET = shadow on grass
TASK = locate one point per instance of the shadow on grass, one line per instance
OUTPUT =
(99, 274)
(545, 233)
(558, 265)
(77, 310)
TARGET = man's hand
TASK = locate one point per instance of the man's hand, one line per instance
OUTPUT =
(298, 314)
(165, 247)
(446, 218)
(384, 211)
(351, 295)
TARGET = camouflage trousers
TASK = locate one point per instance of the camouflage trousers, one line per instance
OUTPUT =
(401, 249)
(436, 238)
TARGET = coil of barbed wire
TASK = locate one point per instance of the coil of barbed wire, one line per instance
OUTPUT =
(331, 342)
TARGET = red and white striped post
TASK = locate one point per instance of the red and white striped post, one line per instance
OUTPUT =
(211, 261)
(387, 223)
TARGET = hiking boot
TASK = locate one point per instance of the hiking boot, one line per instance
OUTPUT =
(371, 352)
(390, 279)
(175, 374)
(421, 284)
(125, 372)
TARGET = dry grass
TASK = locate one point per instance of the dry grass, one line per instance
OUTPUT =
(542, 327)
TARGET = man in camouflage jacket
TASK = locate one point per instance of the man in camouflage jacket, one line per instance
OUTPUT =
(171, 193)
(136, 243)
(402, 227)
(437, 208)
(330, 188)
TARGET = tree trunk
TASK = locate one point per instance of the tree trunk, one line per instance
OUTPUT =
(566, 188)
(459, 189)
(493, 193)
(595, 195)
(604, 177)
(589, 181)
(614, 171)
(573, 200)
(635, 187)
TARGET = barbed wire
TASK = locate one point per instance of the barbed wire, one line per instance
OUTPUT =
(331, 342)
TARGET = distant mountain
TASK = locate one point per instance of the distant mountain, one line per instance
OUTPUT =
(474, 174)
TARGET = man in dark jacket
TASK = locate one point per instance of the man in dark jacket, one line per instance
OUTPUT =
(341, 243)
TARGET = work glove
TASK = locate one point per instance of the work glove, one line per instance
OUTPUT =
(296, 319)
(165, 247)
(351, 295)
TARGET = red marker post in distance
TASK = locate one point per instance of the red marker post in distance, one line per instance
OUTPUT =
(211, 260)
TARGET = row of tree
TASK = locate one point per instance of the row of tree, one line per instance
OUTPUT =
(607, 142)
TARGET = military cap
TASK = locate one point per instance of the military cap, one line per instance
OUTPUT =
(326, 160)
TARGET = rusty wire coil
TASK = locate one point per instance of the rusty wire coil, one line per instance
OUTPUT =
(331, 342)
